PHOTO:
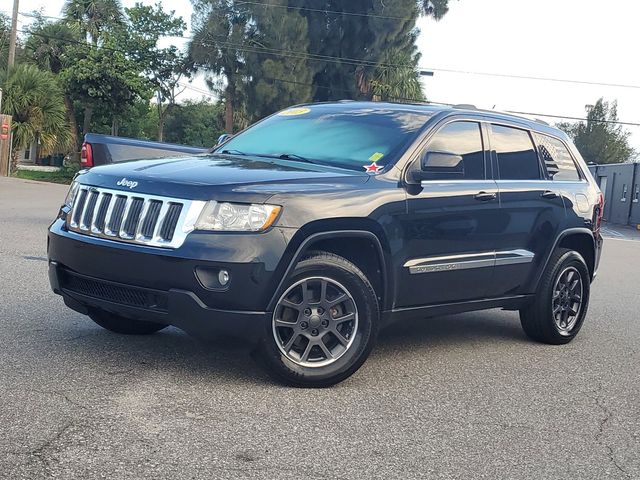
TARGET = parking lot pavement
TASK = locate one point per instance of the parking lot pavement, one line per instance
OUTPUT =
(620, 232)
(464, 396)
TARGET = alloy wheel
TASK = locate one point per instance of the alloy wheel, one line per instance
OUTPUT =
(566, 302)
(315, 322)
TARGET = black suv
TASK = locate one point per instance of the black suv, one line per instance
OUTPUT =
(317, 226)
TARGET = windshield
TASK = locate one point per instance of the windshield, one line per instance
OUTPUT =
(335, 135)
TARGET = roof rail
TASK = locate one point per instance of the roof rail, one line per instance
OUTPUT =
(466, 106)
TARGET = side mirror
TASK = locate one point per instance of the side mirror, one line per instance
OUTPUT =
(436, 165)
(223, 138)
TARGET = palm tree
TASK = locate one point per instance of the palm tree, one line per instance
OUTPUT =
(396, 77)
(36, 102)
(93, 17)
(48, 46)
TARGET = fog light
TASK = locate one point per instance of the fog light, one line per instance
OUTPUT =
(223, 277)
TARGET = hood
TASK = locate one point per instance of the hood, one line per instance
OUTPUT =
(221, 177)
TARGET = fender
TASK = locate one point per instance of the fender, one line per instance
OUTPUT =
(563, 234)
(308, 242)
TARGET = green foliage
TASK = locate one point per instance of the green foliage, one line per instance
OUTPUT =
(48, 43)
(277, 81)
(5, 28)
(600, 139)
(64, 175)
(198, 124)
(105, 78)
(36, 102)
(93, 18)
(164, 67)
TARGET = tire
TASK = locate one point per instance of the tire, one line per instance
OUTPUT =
(555, 316)
(290, 346)
(123, 325)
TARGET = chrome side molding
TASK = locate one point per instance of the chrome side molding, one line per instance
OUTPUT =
(468, 261)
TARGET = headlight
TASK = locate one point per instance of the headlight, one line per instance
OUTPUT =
(71, 194)
(237, 217)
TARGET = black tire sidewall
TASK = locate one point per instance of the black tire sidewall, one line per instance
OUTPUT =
(362, 292)
(548, 325)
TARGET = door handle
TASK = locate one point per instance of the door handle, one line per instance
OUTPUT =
(485, 196)
(549, 194)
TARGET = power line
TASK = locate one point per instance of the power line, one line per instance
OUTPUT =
(363, 62)
(329, 12)
(567, 117)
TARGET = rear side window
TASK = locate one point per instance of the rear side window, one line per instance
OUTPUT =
(517, 158)
(556, 158)
(464, 139)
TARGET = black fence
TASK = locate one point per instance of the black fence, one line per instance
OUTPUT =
(620, 184)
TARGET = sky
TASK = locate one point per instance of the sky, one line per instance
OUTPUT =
(586, 40)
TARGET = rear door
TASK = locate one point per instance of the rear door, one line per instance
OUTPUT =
(531, 210)
(450, 227)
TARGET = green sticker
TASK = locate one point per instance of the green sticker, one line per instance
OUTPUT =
(376, 156)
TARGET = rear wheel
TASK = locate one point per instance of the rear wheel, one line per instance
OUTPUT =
(562, 300)
(324, 324)
(123, 325)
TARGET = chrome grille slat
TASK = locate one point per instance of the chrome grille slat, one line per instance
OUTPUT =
(87, 214)
(124, 216)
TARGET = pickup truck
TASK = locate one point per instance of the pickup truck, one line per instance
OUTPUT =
(104, 149)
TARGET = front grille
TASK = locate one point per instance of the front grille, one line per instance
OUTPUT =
(133, 217)
(114, 292)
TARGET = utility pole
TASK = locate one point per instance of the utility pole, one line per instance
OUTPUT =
(14, 35)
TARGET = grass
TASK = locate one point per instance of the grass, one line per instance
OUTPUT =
(64, 175)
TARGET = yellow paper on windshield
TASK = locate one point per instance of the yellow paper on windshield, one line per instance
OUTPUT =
(292, 112)
(376, 156)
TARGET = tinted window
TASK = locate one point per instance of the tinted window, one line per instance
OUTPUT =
(464, 139)
(517, 159)
(339, 135)
(556, 158)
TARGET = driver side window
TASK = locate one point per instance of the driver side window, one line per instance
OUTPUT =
(463, 139)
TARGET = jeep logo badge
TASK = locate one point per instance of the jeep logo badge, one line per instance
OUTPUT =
(127, 183)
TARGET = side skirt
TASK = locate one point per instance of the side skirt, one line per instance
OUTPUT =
(506, 303)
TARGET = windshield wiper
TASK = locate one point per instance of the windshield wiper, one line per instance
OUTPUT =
(233, 152)
(293, 156)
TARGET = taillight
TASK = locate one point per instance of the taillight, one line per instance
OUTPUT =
(86, 156)
(599, 213)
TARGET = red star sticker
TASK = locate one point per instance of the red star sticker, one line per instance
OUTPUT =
(372, 168)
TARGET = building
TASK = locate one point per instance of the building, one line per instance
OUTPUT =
(620, 184)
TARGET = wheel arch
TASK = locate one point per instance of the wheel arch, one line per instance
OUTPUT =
(580, 240)
(367, 243)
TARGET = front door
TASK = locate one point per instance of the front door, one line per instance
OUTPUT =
(450, 227)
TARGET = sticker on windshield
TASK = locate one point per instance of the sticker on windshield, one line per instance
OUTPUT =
(376, 156)
(292, 112)
(373, 168)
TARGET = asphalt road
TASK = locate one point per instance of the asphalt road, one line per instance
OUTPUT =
(465, 396)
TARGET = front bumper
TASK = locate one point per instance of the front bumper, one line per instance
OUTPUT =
(168, 286)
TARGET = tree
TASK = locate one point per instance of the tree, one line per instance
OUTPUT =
(196, 123)
(5, 28)
(600, 139)
(35, 100)
(93, 17)
(47, 46)
(277, 81)
(221, 32)
(395, 79)
(104, 78)
(164, 67)
(350, 41)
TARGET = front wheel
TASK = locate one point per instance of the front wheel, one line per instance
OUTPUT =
(324, 324)
(560, 306)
